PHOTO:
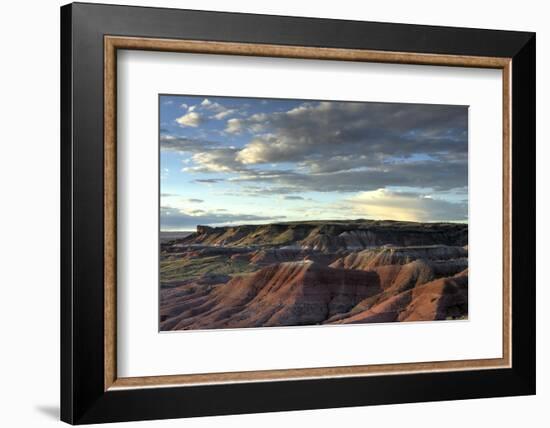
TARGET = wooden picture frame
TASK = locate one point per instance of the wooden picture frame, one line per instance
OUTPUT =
(91, 390)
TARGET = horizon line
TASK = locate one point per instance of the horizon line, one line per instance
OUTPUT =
(312, 221)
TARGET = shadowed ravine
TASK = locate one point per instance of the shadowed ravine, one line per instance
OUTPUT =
(314, 273)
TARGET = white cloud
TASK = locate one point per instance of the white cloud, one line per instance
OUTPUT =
(405, 206)
(192, 119)
(223, 114)
(262, 150)
(234, 126)
(219, 159)
(258, 117)
(256, 123)
(216, 110)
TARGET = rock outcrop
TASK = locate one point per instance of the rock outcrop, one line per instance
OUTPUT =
(331, 236)
(293, 293)
(368, 259)
(445, 298)
(314, 273)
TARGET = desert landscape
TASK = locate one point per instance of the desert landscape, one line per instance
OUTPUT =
(279, 212)
(314, 273)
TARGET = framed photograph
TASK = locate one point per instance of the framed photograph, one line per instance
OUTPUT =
(266, 213)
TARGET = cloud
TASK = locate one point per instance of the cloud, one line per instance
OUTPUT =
(406, 206)
(254, 123)
(215, 107)
(217, 159)
(223, 114)
(264, 150)
(234, 126)
(206, 109)
(192, 119)
(293, 198)
(207, 156)
(173, 218)
(436, 175)
(183, 145)
(344, 130)
(344, 146)
(174, 195)
(208, 180)
(217, 111)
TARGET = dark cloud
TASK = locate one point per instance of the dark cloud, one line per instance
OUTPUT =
(209, 180)
(263, 191)
(183, 145)
(207, 156)
(316, 132)
(293, 198)
(173, 218)
(193, 200)
(431, 174)
(338, 147)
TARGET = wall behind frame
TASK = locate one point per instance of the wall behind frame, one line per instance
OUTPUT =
(29, 219)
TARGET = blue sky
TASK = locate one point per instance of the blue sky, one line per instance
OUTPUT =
(230, 161)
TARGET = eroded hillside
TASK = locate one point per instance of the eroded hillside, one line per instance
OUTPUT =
(314, 273)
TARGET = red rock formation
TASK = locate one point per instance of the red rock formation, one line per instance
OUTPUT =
(296, 293)
(368, 259)
(331, 236)
(310, 273)
(305, 293)
(436, 300)
(281, 255)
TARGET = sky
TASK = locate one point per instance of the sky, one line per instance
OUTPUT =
(228, 161)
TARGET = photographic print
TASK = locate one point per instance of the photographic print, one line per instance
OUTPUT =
(290, 212)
